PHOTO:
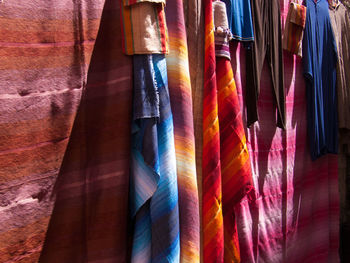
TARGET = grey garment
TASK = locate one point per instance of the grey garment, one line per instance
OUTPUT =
(340, 19)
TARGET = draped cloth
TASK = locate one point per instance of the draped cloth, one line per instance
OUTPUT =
(234, 156)
(213, 232)
(235, 162)
(153, 182)
(181, 105)
(89, 219)
(295, 217)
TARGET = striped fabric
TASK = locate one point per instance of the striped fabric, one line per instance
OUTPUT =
(181, 105)
(153, 183)
(144, 28)
(213, 232)
(89, 221)
(222, 32)
(193, 13)
(222, 47)
(235, 162)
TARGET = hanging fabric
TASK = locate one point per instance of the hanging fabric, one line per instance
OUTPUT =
(319, 59)
(294, 28)
(267, 44)
(234, 157)
(181, 106)
(144, 27)
(213, 234)
(153, 183)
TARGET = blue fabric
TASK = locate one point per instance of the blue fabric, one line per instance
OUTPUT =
(146, 99)
(153, 182)
(319, 59)
(240, 19)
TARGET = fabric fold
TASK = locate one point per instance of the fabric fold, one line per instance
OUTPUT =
(144, 27)
(181, 105)
(235, 162)
(153, 184)
(213, 232)
(236, 175)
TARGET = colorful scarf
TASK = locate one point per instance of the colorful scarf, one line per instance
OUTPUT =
(213, 232)
(235, 163)
(153, 182)
(226, 164)
(181, 105)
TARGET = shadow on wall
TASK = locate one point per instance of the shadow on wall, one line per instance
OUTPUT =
(89, 220)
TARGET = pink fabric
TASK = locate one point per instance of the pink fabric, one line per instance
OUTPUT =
(296, 215)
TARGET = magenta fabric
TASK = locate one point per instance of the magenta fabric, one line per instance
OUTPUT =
(295, 217)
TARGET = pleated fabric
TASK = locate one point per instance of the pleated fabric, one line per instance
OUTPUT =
(153, 181)
(235, 162)
(181, 105)
(213, 232)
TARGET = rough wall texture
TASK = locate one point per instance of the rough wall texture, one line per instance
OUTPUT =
(45, 49)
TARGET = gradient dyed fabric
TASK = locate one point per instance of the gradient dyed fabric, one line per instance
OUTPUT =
(235, 162)
(144, 28)
(45, 50)
(295, 217)
(181, 105)
(213, 232)
(153, 183)
(89, 221)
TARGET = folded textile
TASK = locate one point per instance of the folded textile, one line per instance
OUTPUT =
(153, 182)
(144, 28)
(294, 29)
(222, 32)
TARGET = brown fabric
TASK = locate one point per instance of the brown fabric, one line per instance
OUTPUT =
(294, 28)
(195, 40)
(89, 220)
(267, 44)
(340, 19)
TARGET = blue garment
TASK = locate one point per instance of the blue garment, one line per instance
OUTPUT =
(153, 180)
(319, 59)
(240, 19)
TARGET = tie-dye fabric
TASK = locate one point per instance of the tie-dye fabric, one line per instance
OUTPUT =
(153, 182)
(181, 105)
(295, 217)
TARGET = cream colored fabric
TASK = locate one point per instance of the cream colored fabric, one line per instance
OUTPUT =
(145, 28)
